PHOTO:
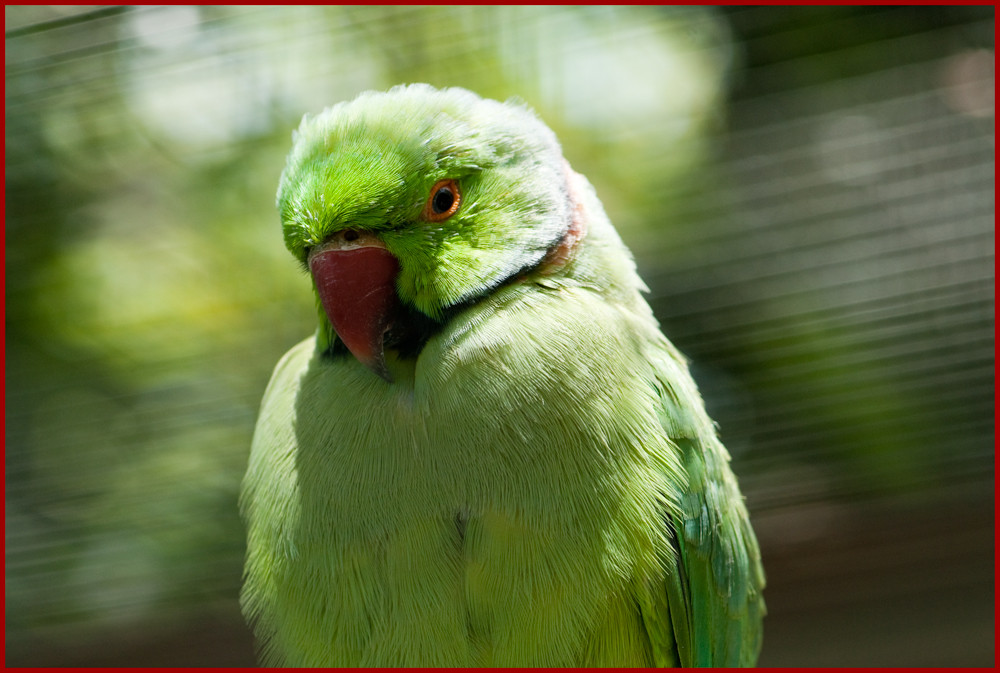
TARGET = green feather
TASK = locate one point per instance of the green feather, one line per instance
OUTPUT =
(539, 485)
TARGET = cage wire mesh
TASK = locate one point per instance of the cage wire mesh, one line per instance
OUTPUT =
(808, 192)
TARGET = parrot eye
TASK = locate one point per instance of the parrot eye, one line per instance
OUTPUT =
(443, 201)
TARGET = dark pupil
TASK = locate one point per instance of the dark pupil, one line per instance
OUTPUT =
(443, 200)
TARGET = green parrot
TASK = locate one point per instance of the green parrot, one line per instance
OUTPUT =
(488, 454)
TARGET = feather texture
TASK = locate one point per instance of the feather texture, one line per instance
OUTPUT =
(540, 484)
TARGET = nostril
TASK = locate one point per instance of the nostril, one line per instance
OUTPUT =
(351, 235)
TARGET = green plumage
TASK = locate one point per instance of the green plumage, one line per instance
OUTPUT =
(539, 484)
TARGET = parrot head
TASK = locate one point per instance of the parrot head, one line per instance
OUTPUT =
(406, 205)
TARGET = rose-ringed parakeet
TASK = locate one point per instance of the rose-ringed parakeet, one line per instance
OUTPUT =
(488, 454)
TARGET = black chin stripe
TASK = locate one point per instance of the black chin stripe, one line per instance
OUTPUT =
(411, 331)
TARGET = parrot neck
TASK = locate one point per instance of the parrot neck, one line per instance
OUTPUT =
(565, 249)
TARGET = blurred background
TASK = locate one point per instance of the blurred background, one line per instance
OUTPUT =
(809, 192)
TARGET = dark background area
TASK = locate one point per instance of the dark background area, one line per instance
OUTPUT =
(809, 192)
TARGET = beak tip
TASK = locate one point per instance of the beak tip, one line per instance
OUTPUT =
(375, 362)
(383, 371)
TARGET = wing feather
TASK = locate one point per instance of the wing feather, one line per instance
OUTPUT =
(711, 591)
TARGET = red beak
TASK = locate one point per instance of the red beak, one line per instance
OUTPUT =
(356, 281)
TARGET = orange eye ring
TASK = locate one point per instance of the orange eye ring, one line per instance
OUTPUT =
(443, 202)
